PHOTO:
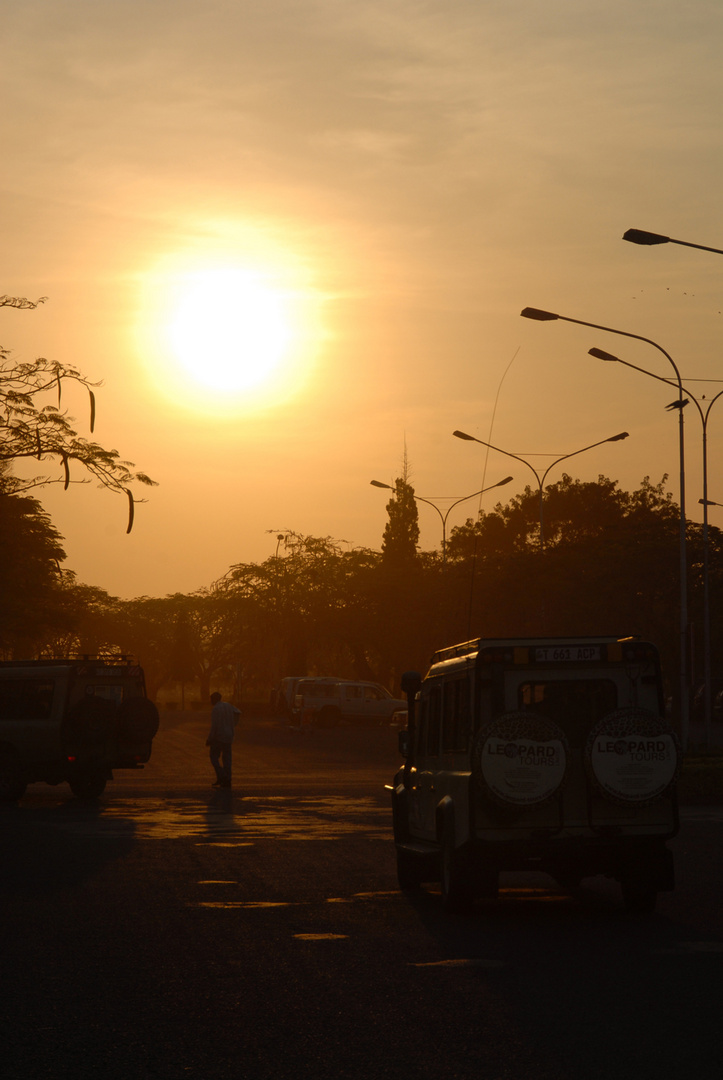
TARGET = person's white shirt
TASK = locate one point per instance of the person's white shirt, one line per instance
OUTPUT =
(224, 718)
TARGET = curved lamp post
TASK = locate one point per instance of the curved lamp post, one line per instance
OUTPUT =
(548, 316)
(445, 515)
(648, 239)
(540, 478)
(705, 502)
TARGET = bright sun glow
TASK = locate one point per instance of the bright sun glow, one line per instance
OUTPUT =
(229, 330)
(218, 335)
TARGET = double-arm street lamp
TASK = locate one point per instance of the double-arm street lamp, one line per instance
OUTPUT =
(540, 477)
(639, 236)
(548, 316)
(704, 414)
(444, 515)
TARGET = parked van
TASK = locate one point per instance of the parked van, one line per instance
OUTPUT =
(544, 754)
(327, 702)
(74, 721)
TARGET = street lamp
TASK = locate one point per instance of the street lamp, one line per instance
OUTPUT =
(547, 316)
(648, 239)
(540, 478)
(445, 515)
(705, 502)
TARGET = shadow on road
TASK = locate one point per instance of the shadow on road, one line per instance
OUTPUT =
(44, 849)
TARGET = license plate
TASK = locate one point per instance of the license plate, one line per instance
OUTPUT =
(576, 654)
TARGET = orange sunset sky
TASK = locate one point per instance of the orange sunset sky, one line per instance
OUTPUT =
(292, 236)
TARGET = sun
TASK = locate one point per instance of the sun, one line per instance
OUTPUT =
(229, 330)
(215, 334)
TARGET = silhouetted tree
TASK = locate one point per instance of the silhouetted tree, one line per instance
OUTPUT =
(32, 429)
(32, 599)
(401, 533)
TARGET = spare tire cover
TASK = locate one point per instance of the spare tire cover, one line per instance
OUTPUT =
(632, 756)
(520, 759)
(137, 719)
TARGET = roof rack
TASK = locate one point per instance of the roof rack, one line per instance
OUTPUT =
(465, 648)
(453, 651)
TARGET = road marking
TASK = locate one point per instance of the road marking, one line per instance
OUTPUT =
(320, 937)
(223, 843)
(244, 903)
(374, 895)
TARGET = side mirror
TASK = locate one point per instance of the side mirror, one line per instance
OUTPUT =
(403, 742)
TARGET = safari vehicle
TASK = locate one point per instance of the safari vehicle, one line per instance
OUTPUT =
(327, 702)
(74, 721)
(537, 754)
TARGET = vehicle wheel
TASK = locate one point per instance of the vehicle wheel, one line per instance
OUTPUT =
(12, 781)
(457, 885)
(408, 874)
(88, 785)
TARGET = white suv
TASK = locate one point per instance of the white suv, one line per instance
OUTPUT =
(538, 754)
(74, 721)
(326, 702)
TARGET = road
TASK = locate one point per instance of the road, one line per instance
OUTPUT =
(172, 931)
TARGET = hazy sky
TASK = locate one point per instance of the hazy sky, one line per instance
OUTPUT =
(369, 193)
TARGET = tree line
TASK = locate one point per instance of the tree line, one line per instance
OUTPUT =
(609, 565)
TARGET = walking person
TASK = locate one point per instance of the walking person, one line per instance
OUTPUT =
(224, 718)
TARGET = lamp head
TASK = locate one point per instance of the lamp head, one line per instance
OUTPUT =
(378, 483)
(600, 354)
(639, 236)
(538, 314)
(618, 438)
(464, 435)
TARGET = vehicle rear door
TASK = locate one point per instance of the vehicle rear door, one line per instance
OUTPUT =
(423, 793)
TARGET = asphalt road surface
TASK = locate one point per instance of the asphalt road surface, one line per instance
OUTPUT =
(171, 930)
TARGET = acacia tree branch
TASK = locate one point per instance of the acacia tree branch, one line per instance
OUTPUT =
(29, 430)
(21, 301)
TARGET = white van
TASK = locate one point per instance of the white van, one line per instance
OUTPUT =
(546, 754)
(74, 721)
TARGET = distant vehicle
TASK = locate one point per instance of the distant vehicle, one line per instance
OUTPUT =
(284, 695)
(327, 702)
(545, 754)
(72, 721)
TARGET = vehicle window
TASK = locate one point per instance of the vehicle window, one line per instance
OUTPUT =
(575, 704)
(434, 720)
(112, 693)
(26, 699)
(372, 694)
(456, 718)
(355, 693)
